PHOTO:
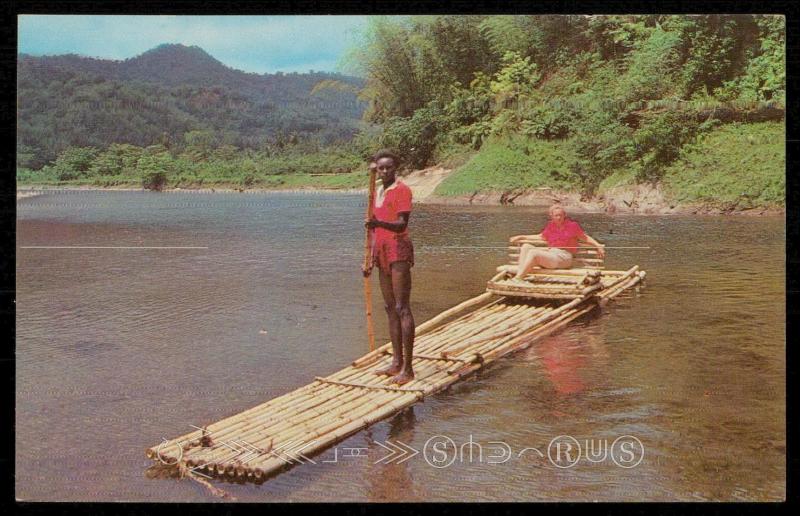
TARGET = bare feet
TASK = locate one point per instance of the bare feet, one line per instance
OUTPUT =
(392, 370)
(402, 378)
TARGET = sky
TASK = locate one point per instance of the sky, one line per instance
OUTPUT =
(260, 44)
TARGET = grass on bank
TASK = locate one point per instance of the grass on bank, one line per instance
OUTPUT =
(737, 166)
(512, 164)
(734, 166)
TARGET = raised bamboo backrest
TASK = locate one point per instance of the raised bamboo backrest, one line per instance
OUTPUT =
(586, 257)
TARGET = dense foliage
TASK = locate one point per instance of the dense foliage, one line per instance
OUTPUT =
(156, 166)
(618, 91)
(175, 96)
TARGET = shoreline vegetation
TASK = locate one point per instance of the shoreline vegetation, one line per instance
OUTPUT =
(645, 114)
(734, 169)
(541, 199)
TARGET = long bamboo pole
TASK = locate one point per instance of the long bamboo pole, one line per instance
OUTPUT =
(368, 258)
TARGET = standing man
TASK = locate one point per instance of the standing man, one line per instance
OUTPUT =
(393, 253)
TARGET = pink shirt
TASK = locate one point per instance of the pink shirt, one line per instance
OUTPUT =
(388, 204)
(565, 237)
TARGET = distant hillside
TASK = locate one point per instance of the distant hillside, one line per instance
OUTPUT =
(166, 92)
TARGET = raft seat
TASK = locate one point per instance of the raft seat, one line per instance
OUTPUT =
(582, 280)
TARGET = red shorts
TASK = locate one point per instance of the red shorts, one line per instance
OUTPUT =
(392, 249)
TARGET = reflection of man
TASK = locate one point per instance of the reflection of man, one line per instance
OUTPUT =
(562, 361)
(391, 480)
(574, 363)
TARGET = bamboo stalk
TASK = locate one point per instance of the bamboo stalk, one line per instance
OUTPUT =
(254, 434)
(476, 329)
(536, 333)
(624, 275)
(575, 271)
(334, 425)
(619, 287)
(267, 467)
(590, 251)
(477, 347)
(477, 344)
(367, 386)
(433, 357)
(428, 325)
(514, 258)
(455, 332)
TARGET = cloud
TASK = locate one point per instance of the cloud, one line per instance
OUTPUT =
(250, 43)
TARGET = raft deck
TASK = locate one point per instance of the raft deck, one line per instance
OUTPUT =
(268, 438)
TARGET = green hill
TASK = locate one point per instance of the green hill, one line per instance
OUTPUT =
(163, 94)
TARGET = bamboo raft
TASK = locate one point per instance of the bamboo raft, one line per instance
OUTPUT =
(260, 442)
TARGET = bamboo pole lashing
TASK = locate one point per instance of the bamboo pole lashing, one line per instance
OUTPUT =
(331, 426)
(290, 430)
(476, 344)
(269, 421)
(196, 434)
(253, 435)
(341, 433)
(297, 435)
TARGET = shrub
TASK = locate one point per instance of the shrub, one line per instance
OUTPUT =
(154, 181)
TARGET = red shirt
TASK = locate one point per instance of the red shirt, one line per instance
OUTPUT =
(388, 205)
(565, 237)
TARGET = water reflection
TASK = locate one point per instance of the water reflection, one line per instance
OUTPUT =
(386, 478)
(572, 362)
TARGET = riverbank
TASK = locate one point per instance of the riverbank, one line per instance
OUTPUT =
(626, 199)
(633, 200)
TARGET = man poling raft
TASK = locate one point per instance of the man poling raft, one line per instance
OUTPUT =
(393, 253)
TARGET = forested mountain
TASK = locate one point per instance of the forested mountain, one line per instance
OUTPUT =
(171, 95)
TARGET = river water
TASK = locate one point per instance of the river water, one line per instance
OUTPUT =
(119, 348)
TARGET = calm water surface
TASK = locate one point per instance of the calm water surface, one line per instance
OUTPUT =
(117, 349)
